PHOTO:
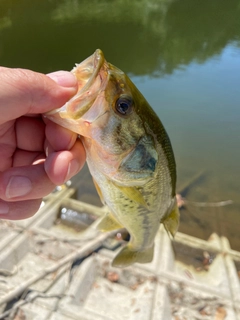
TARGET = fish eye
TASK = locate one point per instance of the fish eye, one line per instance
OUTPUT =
(124, 105)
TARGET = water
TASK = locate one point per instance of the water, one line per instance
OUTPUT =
(184, 56)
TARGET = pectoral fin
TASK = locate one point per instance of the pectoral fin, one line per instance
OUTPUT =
(126, 257)
(171, 222)
(109, 223)
(133, 193)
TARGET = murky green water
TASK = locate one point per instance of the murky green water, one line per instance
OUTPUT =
(185, 58)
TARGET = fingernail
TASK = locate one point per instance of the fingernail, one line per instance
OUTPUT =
(63, 78)
(4, 208)
(18, 186)
(73, 169)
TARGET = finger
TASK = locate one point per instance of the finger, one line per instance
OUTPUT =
(30, 133)
(7, 145)
(58, 137)
(27, 92)
(26, 158)
(19, 210)
(63, 165)
(25, 183)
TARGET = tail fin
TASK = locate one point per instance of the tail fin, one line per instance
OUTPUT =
(126, 257)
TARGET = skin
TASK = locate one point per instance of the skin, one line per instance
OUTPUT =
(35, 153)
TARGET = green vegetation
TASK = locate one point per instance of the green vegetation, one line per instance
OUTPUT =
(140, 36)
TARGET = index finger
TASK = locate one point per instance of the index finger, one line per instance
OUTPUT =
(27, 92)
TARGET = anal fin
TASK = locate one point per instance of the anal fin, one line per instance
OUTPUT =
(109, 223)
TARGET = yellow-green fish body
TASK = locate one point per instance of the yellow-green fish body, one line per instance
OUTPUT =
(129, 155)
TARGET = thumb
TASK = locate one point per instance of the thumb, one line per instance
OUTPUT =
(25, 92)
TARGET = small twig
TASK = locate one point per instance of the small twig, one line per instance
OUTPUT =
(181, 202)
(58, 276)
(79, 253)
(209, 204)
(65, 287)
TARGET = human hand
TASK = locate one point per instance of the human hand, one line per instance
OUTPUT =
(35, 153)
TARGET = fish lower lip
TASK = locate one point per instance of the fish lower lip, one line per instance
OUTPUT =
(51, 112)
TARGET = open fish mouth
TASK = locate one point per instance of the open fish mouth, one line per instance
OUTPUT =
(92, 76)
(87, 71)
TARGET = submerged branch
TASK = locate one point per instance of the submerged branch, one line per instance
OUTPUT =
(184, 188)
(181, 202)
(209, 204)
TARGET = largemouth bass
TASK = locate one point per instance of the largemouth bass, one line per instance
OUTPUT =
(129, 155)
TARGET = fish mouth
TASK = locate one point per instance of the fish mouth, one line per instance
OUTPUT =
(87, 72)
(92, 77)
